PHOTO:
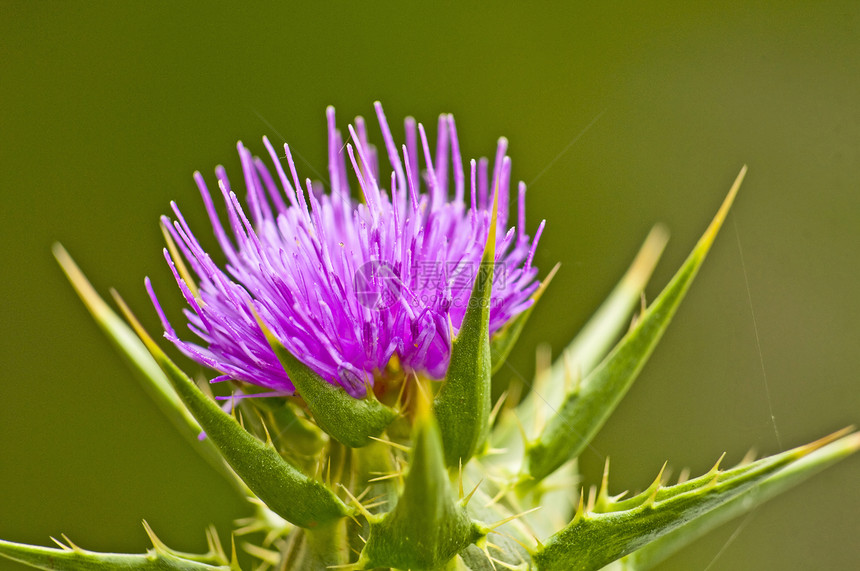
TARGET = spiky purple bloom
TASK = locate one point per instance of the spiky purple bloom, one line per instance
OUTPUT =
(346, 285)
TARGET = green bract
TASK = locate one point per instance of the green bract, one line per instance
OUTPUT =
(430, 476)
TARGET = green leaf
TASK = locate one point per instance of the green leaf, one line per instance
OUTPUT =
(616, 528)
(351, 421)
(583, 411)
(426, 528)
(288, 492)
(463, 404)
(793, 474)
(72, 558)
(503, 340)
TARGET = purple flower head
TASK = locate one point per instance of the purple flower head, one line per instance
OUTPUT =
(348, 285)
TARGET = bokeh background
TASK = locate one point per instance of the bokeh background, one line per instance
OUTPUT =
(107, 108)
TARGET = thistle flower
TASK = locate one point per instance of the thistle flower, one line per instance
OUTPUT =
(351, 285)
(321, 292)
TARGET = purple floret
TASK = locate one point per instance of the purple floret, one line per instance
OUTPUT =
(347, 285)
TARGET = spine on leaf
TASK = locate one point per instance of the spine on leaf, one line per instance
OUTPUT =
(596, 538)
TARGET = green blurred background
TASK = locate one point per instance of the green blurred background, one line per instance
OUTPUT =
(108, 108)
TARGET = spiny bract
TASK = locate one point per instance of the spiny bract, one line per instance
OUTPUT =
(360, 333)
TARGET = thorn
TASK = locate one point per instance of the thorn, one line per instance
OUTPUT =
(364, 492)
(234, 557)
(652, 497)
(503, 564)
(748, 458)
(716, 467)
(543, 362)
(514, 539)
(603, 494)
(659, 479)
(513, 517)
(369, 516)
(354, 519)
(489, 558)
(319, 467)
(399, 404)
(655, 486)
(592, 497)
(157, 544)
(521, 429)
(460, 479)
(465, 501)
(265, 429)
(368, 390)
(392, 444)
(386, 477)
(376, 504)
(572, 375)
(62, 545)
(401, 467)
(271, 537)
(213, 542)
(496, 408)
(451, 334)
(407, 395)
(497, 497)
(495, 451)
(684, 475)
(515, 391)
(270, 557)
(247, 525)
(423, 391)
(580, 510)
